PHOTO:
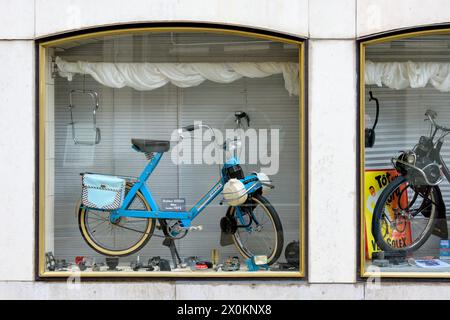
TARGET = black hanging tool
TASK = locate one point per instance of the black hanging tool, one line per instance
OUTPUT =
(370, 133)
(242, 115)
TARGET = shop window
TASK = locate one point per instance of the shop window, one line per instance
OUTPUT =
(171, 152)
(405, 191)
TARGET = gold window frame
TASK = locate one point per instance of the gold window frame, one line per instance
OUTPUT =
(362, 263)
(42, 45)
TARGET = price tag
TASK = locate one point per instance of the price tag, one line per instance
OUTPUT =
(173, 204)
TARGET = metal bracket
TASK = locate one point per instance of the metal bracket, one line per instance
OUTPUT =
(94, 96)
(53, 68)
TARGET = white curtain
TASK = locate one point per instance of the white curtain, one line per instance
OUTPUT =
(149, 76)
(402, 75)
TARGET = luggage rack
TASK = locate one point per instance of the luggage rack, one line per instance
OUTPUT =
(127, 178)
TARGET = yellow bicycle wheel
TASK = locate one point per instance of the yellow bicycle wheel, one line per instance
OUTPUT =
(120, 238)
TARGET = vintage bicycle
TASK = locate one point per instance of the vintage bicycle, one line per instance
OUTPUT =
(117, 215)
(413, 199)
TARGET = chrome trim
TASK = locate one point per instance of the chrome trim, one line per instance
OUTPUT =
(94, 96)
(420, 171)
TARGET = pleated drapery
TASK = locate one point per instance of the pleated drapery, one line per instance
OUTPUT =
(149, 76)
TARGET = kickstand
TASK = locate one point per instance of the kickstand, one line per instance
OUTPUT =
(168, 242)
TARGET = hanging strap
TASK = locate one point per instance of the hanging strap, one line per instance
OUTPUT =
(371, 98)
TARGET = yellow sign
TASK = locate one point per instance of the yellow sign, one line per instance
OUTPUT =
(375, 182)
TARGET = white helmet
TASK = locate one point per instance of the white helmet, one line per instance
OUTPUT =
(234, 192)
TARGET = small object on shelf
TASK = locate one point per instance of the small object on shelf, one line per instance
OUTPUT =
(156, 263)
(251, 265)
(95, 267)
(112, 263)
(260, 260)
(380, 262)
(151, 264)
(136, 265)
(191, 262)
(201, 265)
(80, 261)
(231, 264)
(50, 261)
(215, 256)
(164, 265)
(444, 249)
(61, 265)
(432, 263)
(412, 262)
(395, 258)
(292, 252)
(283, 266)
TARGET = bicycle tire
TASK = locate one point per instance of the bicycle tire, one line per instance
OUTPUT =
(273, 215)
(379, 210)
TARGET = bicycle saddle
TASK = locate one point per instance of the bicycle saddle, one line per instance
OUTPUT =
(144, 145)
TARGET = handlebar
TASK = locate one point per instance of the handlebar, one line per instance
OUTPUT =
(431, 115)
(193, 127)
(190, 127)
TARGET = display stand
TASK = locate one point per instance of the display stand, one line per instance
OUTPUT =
(169, 242)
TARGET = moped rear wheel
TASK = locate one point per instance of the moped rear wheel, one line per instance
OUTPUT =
(260, 232)
(119, 238)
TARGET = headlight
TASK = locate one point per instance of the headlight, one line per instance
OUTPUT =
(409, 157)
(433, 172)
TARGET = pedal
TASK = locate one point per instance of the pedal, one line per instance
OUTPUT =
(195, 228)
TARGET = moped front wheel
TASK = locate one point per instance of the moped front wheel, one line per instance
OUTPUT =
(405, 215)
(259, 230)
(118, 238)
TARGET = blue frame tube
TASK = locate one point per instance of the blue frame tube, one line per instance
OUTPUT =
(186, 217)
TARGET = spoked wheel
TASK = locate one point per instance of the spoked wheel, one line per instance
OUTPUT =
(116, 238)
(404, 205)
(259, 230)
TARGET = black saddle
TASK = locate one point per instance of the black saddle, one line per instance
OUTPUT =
(144, 145)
